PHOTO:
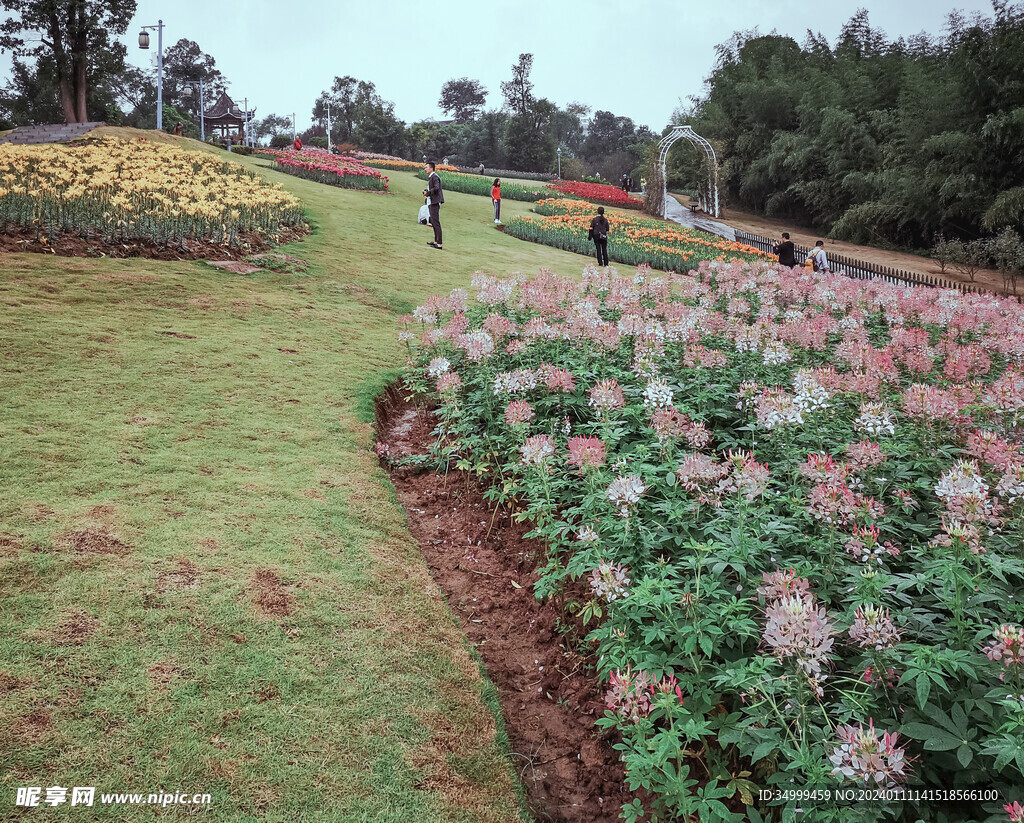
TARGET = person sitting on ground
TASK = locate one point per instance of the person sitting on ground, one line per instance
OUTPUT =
(786, 251)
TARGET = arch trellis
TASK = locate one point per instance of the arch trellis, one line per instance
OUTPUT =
(709, 200)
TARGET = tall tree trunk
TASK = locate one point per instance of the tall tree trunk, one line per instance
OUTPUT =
(80, 59)
(80, 88)
(60, 58)
(67, 98)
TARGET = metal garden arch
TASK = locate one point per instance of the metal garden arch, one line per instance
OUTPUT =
(709, 200)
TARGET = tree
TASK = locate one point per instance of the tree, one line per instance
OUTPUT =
(527, 147)
(518, 92)
(359, 115)
(270, 125)
(185, 62)
(462, 99)
(31, 94)
(77, 35)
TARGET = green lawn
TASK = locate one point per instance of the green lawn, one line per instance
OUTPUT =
(206, 583)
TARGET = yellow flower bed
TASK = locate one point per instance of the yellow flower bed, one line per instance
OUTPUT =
(138, 190)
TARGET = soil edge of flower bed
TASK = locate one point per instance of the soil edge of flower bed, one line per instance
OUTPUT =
(485, 567)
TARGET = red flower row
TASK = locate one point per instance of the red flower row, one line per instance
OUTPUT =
(596, 192)
(324, 161)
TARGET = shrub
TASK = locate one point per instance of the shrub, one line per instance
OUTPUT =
(944, 251)
(318, 142)
(1007, 250)
(968, 257)
(281, 141)
(573, 168)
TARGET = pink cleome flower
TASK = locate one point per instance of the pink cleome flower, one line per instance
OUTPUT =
(449, 382)
(797, 628)
(537, 449)
(586, 452)
(1008, 646)
(783, 583)
(863, 757)
(873, 628)
(610, 581)
(630, 694)
(518, 413)
(607, 396)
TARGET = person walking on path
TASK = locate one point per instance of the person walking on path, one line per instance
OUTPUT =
(496, 200)
(786, 251)
(435, 197)
(599, 228)
(819, 258)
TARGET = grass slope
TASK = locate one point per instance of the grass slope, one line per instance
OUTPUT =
(206, 584)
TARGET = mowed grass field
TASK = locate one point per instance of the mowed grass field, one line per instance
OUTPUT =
(206, 583)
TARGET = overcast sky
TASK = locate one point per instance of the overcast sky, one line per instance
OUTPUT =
(636, 58)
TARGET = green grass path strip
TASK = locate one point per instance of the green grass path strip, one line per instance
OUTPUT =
(268, 631)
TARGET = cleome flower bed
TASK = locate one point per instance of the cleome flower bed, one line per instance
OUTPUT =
(789, 509)
(633, 240)
(324, 167)
(598, 193)
(119, 190)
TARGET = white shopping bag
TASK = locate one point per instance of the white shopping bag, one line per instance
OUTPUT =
(424, 217)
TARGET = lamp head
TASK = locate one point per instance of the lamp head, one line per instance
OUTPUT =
(143, 39)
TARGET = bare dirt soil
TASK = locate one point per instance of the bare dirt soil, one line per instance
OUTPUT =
(67, 244)
(549, 695)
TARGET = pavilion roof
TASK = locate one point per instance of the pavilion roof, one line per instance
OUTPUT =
(224, 108)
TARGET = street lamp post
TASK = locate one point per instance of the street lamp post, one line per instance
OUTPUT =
(328, 127)
(293, 127)
(193, 84)
(559, 162)
(245, 111)
(144, 44)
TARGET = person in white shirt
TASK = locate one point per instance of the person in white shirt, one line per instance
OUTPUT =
(819, 257)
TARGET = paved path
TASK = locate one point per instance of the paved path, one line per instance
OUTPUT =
(57, 133)
(678, 213)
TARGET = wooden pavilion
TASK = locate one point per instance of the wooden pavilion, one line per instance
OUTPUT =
(225, 118)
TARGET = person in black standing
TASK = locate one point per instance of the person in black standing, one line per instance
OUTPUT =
(786, 251)
(599, 228)
(435, 197)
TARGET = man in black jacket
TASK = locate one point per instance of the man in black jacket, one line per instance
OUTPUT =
(786, 251)
(435, 197)
(599, 229)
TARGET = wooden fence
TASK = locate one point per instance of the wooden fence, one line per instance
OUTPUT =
(861, 270)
